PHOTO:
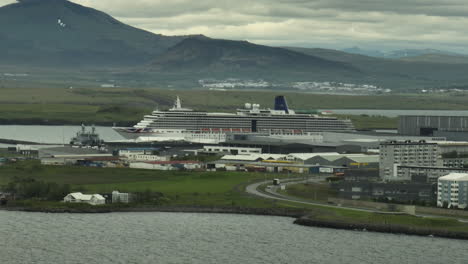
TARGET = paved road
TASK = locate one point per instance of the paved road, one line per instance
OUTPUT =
(273, 194)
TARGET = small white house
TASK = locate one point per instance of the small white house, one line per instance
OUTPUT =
(118, 197)
(92, 199)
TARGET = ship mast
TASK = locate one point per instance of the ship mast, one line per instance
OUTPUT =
(178, 104)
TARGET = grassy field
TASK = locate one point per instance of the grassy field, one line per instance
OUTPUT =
(182, 188)
(209, 189)
(217, 100)
(125, 105)
(312, 191)
(372, 122)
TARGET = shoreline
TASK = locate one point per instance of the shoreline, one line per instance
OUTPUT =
(301, 218)
(58, 122)
(389, 229)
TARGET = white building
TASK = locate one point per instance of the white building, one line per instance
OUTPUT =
(166, 165)
(92, 199)
(452, 191)
(143, 157)
(231, 150)
(137, 151)
(118, 197)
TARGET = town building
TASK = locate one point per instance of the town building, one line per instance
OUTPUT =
(118, 197)
(425, 173)
(92, 199)
(137, 151)
(451, 127)
(395, 154)
(228, 150)
(143, 157)
(167, 165)
(378, 191)
(452, 191)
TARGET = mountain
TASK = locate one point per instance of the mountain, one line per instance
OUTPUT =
(397, 73)
(63, 42)
(62, 33)
(372, 53)
(438, 58)
(397, 54)
(215, 55)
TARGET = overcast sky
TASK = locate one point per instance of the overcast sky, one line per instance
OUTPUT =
(378, 24)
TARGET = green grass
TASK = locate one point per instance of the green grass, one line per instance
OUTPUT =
(127, 105)
(372, 122)
(222, 189)
(183, 188)
(229, 100)
(311, 191)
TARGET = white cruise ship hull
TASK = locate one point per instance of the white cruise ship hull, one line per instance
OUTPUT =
(189, 125)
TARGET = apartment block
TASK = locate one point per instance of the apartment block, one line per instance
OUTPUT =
(433, 154)
(452, 191)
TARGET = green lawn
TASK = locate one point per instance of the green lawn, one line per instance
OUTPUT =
(183, 188)
(108, 105)
(312, 191)
(223, 189)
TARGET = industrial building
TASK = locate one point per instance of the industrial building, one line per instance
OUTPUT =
(452, 191)
(424, 173)
(451, 127)
(398, 192)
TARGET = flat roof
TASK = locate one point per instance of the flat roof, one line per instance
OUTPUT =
(455, 177)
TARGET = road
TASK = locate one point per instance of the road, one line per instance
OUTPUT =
(272, 193)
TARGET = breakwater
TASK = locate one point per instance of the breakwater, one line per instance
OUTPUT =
(295, 213)
(381, 228)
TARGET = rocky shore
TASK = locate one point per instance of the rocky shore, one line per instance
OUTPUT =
(167, 209)
(389, 228)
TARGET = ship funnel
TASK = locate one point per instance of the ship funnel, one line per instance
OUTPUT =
(281, 104)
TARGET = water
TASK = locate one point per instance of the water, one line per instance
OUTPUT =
(51, 134)
(205, 238)
(395, 113)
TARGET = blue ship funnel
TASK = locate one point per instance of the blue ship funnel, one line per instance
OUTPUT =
(280, 104)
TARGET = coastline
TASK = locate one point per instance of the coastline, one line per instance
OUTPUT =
(164, 209)
(389, 228)
(58, 122)
(301, 218)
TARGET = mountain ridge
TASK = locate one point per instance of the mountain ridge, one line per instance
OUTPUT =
(195, 53)
(60, 32)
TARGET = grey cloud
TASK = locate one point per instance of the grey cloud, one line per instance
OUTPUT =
(326, 23)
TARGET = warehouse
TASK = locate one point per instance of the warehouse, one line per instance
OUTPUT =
(451, 127)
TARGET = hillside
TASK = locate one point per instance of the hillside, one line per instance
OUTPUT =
(438, 58)
(398, 54)
(201, 54)
(402, 73)
(62, 33)
(59, 43)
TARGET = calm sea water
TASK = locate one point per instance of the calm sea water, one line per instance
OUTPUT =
(205, 238)
(51, 134)
(395, 113)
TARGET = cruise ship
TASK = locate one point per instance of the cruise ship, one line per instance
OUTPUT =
(179, 123)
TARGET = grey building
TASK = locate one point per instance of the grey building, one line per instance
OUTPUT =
(394, 153)
(412, 125)
(398, 192)
(397, 154)
(452, 191)
(425, 173)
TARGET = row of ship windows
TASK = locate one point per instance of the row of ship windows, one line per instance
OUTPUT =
(249, 120)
